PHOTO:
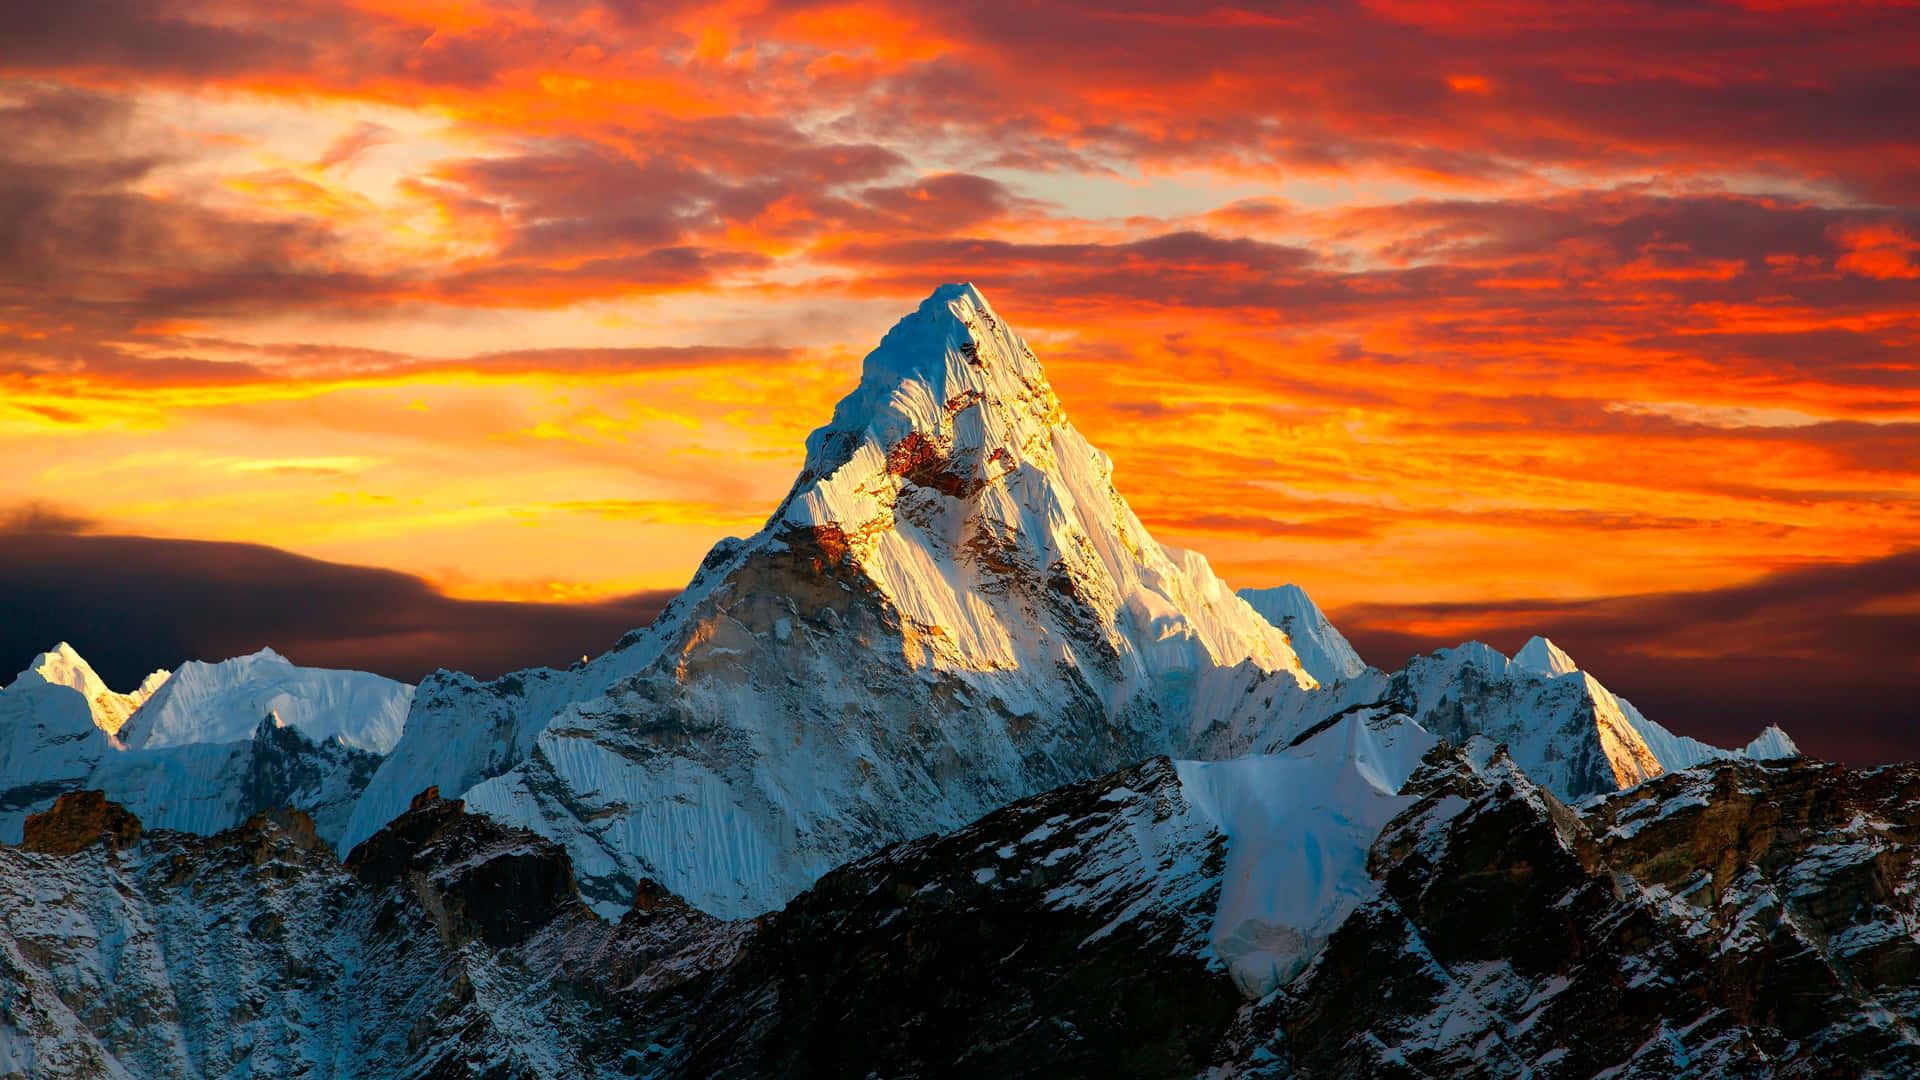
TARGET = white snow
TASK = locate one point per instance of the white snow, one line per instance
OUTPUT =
(1299, 825)
(1772, 744)
(186, 758)
(1323, 650)
(63, 666)
(224, 702)
(1543, 656)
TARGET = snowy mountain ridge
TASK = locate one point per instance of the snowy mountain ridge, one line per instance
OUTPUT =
(223, 702)
(199, 750)
(63, 666)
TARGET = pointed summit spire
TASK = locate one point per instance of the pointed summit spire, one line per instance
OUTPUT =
(951, 474)
(1543, 656)
(952, 396)
(63, 665)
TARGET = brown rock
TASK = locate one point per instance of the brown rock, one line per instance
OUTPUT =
(77, 821)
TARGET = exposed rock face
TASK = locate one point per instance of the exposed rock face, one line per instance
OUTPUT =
(1062, 936)
(1514, 936)
(1753, 921)
(79, 820)
(477, 879)
(253, 952)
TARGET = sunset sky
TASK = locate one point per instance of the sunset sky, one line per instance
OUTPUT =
(1475, 319)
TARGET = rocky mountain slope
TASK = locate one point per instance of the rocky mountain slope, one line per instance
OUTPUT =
(1755, 920)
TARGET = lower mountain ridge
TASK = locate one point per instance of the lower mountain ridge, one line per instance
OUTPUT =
(1753, 919)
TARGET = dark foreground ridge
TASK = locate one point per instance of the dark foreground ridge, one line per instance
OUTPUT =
(1750, 921)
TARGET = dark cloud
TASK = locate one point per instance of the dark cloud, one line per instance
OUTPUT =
(1831, 653)
(136, 35)
(38, 518)
(131, 604)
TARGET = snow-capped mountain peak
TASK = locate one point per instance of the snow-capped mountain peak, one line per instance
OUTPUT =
(952, 609)
(63, 665)
(1543, 656)
(951, 476)
(1772, 744)
(224, 702)
(1323, 650)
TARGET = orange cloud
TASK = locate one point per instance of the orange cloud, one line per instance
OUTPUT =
(1410, 302)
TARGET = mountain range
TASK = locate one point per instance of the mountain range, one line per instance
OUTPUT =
(950, 768)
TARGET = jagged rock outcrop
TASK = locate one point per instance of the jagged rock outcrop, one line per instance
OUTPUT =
(78, 820)
(1653, 934)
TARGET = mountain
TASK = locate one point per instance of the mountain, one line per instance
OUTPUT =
(952, 608)
(950, 769)
(49, 744)
(194, 754)
(1569, 733)
(223, 702)
(62, 666)
(1323, 650)
(1747, 920)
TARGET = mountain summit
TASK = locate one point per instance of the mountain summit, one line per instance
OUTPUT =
(62, 665)
(952, 478)
(953, 608)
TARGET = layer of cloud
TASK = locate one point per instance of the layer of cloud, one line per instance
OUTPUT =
(131, 604)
